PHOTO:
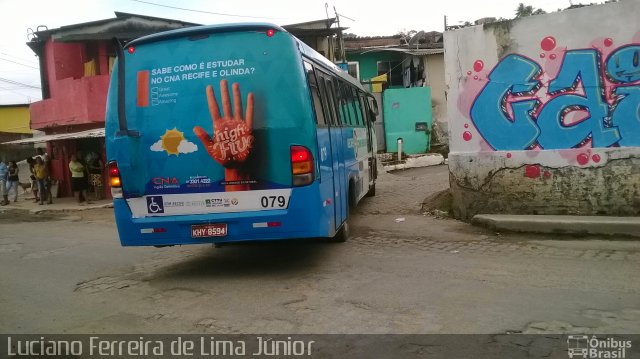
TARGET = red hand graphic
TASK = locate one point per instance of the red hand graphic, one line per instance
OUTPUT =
(232, 138)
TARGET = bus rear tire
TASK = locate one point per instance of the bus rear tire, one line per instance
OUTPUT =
(343, 233)
(372, 191)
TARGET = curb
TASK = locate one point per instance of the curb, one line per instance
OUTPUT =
(549, 224)
(54, 210)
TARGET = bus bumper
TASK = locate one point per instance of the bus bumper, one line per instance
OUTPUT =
(303, 219)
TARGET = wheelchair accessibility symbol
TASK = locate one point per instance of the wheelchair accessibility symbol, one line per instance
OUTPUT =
(155, 204)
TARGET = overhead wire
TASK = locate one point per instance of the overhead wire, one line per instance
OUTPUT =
(19, 63)
(12, 82)
(209, 12)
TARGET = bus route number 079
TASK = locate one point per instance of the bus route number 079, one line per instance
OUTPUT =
(273, 202)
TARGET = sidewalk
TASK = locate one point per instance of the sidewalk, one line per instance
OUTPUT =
(580, 225)
(26, 202)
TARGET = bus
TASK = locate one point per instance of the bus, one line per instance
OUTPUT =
(236, 132)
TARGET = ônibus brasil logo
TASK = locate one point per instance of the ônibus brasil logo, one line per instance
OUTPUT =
(584, 347)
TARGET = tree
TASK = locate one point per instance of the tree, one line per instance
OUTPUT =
(527, 10)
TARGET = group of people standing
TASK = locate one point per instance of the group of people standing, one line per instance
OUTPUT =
(8, 181)
(86, 173)
(83, 174)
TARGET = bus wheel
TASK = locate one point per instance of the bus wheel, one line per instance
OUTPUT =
(372, 191)
(343, 233)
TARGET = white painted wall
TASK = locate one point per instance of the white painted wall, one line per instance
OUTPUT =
(479, 143)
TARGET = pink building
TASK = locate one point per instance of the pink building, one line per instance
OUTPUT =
(75, 67)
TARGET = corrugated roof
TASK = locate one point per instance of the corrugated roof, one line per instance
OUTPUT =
(415, 52)
(98, 132)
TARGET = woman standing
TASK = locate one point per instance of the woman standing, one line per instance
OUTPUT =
(40, 172)
(12, 180)
(78, 179)
(94, 165)
(32, 178)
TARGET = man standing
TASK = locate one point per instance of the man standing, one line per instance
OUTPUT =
(4, 174)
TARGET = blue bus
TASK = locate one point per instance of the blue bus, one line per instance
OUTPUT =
(233, 133)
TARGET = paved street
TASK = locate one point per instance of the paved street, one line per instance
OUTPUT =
(68, 274)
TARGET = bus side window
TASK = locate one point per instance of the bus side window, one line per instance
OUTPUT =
(344, 104)
(364, 109)
(335, 88)
(313, 86)
(356, 105)
(332, 101)
(323, 96)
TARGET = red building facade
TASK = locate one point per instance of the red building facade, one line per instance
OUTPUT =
(75, 67)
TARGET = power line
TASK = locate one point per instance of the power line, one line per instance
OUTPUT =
(18, 58)
(209, 12)
(18, 83)
(16, 92)
(19, 63)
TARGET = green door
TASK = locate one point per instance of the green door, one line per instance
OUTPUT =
(407, 115)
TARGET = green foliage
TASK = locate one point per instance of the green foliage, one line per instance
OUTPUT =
(527, 10)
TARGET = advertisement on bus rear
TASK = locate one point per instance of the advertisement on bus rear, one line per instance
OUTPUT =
(214, 121)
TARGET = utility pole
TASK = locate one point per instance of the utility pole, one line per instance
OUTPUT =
(341, 52)
(445, 23)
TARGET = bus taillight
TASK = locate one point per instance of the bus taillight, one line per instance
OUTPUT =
(114, 180)
(302, 167)
(271, 32)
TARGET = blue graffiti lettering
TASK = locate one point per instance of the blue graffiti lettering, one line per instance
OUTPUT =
(577, 110)
(515, 75)
(627, 115)
(623, 66)
(578, 66)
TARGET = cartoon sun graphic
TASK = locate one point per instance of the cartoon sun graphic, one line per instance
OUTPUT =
(171, 140)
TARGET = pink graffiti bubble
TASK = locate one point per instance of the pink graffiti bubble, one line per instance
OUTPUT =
(466, 125)
(467, 136)
(532, 171)
(583, 159)
(547, 174)
(608, 42)
(553, 56)
(508, 155)
(548, 43)
(542, 55)
(596, 158)
(475, 77)
(478, 65)
(469, 73)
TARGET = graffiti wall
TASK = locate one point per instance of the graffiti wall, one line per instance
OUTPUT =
(540, 93)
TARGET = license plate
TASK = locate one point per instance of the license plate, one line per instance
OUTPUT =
(209, 230)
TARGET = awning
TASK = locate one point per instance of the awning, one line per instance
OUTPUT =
(98, 132)
(414, 52)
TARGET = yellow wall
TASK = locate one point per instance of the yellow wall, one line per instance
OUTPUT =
(434, 70)
(14, 119)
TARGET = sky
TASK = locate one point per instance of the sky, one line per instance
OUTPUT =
(20, 77)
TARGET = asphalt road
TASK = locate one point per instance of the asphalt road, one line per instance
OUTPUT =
(68, 274)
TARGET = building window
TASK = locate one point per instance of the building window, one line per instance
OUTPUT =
(394, 71)
(354, 69)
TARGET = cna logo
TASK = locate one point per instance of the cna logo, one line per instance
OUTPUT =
(584, 347)
(155, 204)
(165, 180)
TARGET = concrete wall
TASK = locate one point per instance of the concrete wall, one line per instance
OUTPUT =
(75, 99)
(545, 113)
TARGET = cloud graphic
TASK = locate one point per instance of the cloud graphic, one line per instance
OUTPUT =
(187, 147)
(156, 147)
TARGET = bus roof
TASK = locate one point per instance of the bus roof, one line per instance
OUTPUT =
(208, 29)
(251, 26)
